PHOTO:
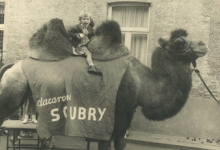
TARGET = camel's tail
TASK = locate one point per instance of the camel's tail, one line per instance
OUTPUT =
(4, 68)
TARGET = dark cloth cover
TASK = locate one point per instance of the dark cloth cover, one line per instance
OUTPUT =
(70, 100)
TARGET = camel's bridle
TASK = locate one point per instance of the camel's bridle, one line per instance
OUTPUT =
(189, 51)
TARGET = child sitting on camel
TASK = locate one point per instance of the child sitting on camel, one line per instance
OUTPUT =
(80, 36)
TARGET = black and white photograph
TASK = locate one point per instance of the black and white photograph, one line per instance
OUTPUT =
(109, 75)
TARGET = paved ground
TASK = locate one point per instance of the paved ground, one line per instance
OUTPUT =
(129, 146)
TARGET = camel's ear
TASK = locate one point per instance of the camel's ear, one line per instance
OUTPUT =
(163, 41)
(177, 33)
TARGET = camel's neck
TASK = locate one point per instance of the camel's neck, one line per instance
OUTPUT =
(165, 89)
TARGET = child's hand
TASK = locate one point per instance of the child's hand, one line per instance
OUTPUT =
(80, 35)
(85, 31)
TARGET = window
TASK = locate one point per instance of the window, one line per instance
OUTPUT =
(2, 14)
(133, 18)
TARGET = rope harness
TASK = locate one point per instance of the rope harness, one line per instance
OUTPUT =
(190, 51)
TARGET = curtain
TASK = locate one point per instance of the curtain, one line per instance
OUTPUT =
(123, 38)
(135, 17)
(131, 16)
(2, 10)
(139, 46)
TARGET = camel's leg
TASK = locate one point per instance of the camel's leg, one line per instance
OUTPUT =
(119, 142)
(104, 145)
(13, 89)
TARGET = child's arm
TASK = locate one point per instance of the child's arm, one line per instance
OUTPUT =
(75, 36)
(73, 33)
(91, 32)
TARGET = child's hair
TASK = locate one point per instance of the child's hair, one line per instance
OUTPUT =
(84, 13)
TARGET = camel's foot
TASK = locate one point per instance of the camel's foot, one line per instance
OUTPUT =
(126, 134)
(45, 142)
(119, 143)
(104, 145)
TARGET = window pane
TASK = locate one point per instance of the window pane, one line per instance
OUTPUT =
(131, 16)
(123, 38)
(1, 43)
(2, 9)
(139, 46)
(1, 39)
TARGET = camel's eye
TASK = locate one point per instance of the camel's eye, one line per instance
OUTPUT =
(179, 44)
(200, 43)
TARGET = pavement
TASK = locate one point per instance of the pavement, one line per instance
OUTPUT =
(93, 145)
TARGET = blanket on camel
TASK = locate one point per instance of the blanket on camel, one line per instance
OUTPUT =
(70, 100)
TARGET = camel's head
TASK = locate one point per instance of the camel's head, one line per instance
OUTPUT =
(180, 47)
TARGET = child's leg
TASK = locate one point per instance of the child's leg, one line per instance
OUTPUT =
(26, 109)
(92, 68)
(33, 111)
(89, 58)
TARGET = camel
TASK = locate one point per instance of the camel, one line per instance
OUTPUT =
(161, 90)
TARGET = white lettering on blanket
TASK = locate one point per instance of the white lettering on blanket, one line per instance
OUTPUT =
(79, 113)
(49, 101)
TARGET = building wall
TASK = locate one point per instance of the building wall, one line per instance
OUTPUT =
(24, 17)
(199, 118)
(199, 17)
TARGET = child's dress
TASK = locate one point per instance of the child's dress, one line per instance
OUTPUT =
(81, 48)
(74, 34)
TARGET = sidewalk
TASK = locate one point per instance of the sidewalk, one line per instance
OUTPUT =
(142, 141)
(93, 145)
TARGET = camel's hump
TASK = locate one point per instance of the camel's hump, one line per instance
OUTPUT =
(51, 42)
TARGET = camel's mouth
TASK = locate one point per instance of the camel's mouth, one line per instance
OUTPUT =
(199, 48)
(195, 47)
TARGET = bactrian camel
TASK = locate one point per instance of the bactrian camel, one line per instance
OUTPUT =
(161, 90)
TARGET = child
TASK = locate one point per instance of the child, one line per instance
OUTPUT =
(80, 36)
(29, 109)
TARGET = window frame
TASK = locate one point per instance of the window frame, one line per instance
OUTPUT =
(2, 3)
(128, 31)
(125, 3)
(2, 25)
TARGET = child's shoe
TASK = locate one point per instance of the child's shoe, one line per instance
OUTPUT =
(23, 134)
(25, 119)
(34, 120)
(30, 135)
(93, 69)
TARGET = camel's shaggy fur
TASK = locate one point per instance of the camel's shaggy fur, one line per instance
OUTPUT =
(177, 33)
(108, 32)
(111, 30)
(50, 42)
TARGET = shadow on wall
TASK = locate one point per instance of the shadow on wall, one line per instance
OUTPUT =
(199, 118)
